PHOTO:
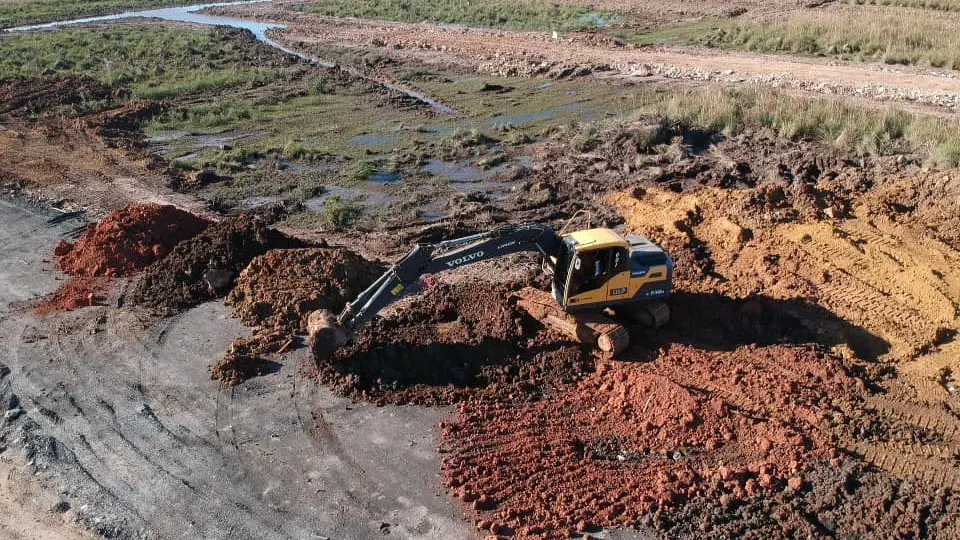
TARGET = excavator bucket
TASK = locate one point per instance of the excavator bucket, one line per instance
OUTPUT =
(326, 334)
(587, 326)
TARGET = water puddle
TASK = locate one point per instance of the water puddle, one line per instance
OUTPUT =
(371, 199)
(178, 14)
(541, 115)
(457, 171)
(381, 177)
(168, 143)
(372, 140)
(255, 202)
(597, 20)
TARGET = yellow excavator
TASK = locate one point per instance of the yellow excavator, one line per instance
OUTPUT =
(598, 277)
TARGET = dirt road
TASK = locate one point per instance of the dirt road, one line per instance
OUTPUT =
(120, 419)
(538, 53)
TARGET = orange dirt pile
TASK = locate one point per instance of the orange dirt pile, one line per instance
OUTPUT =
(128, 240)
(634, 438)
(277, 291)
(122, 243)
(75, 294)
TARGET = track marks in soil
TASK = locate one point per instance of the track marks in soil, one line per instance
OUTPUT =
(924, 445)
(893, 288)
(899, 461)
(891, 282)
(933, 374)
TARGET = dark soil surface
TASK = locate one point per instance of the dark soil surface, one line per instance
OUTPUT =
(279, 289)
(452, 343)
(839, 500)
(40, 95)
(204, 267)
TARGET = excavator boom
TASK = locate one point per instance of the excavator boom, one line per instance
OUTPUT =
(403, 277)
(590, 323)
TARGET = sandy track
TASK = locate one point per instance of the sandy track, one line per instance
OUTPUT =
(537, 53)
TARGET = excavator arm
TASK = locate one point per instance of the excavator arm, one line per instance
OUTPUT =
(404, 276)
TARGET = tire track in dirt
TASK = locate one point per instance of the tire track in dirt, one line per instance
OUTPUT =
(897, 460)
(928, 374)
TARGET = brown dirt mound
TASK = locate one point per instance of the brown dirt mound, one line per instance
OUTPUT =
(277, 291)
(454, 342)
(75, 294)
(248, 358)
(128, 240)
(204, 267)
(280, 288)
(633, 438)
(846, 501)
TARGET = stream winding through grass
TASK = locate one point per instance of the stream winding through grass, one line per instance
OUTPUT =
(191, 14)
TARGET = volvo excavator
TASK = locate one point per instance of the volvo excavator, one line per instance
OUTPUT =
(598, 277)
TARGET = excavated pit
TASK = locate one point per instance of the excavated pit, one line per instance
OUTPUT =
(452, 343)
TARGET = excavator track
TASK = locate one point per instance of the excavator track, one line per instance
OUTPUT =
(588, 326)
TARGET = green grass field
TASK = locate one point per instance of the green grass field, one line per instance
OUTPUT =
(154, 62)
(24, 12)
(858, 130)
(875, 35)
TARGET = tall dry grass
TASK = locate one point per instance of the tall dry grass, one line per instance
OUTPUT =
(868, 34)
(857, 129)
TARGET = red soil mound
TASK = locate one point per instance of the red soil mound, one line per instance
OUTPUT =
(128, 240)
(75, 294)
(633, 438)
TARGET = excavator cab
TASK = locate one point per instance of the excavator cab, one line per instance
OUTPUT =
(599, 267)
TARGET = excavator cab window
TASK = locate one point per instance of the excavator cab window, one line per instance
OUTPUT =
(590, 271)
